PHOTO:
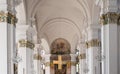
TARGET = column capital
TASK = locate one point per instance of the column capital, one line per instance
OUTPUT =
(82, 56)
(26, 43)
(93, 43)
(37, 57)
(8, 17)
(24, 36)
(110, 18)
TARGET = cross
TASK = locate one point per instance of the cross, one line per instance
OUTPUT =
(59, 62)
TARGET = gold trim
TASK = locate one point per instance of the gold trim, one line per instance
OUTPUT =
(37, 57)
(93, 43)
(73, 63)
(68, 63)
(8, 17)
(82, 56)
(110, 17)
(48, 64)
(26, 43)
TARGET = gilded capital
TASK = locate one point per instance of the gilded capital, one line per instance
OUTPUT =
(73, 63)
(110, 17)
(26, 43)
(82, 56)
(93, 43)
(48, 64)
(8, 17)
(37, 57)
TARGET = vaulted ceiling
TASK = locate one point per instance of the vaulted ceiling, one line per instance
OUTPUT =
(60, 18)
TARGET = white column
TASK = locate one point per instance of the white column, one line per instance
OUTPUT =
(82, 57)
(109, 20)
(37, 59)
(110, 43)
(73, 63)
(93, 48)
(7, 38)
(47, 63)
(25, 49)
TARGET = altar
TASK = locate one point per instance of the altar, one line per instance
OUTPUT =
(61, 61)
(60, 64)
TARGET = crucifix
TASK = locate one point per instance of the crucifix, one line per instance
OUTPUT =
(59, 62)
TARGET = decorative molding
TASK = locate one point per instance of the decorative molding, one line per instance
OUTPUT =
(26, 43)
(8, 17)
(110, 17)
(48, 64)
(37, 57)
(73, 63)
(59, 19)
(82, 56)
(93, 43)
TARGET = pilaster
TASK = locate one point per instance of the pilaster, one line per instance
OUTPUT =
(37, 59)
(82, 56)
(73, 63)
(47, 63)
(93, 48)
(109, 35)
(7, 38)
(109, 42)
(25, 49)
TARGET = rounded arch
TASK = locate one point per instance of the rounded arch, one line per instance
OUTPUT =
(60, 46)
(85, 9)
(61, 19)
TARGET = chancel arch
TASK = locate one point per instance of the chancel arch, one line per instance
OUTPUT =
(66, 26)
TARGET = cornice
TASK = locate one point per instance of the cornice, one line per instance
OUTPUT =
(37, 57)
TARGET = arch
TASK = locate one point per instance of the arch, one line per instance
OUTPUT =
(85, 9)
(60, 46)
(61, 19)
(82, 3)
